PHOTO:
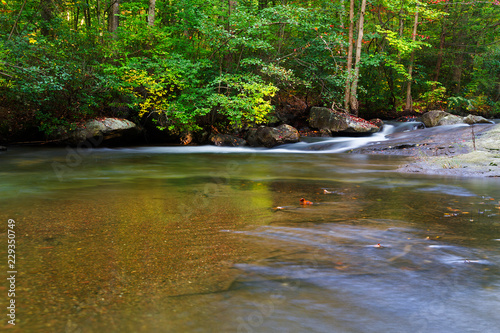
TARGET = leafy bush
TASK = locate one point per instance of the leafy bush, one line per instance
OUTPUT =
(459, 105)
(57, 88)
(432, 99)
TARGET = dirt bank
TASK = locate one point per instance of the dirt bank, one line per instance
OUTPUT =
(465, 151)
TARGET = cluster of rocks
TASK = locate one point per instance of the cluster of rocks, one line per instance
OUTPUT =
(323, 121)
(440, 118)
(121, 131)
(262, 136)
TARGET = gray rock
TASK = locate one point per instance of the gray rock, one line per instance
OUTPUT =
(440, 118)
(227, 140)
(432, 118)
(327, 119)
(272, 136)
(104, 129)
(451, 120)
(471, 119)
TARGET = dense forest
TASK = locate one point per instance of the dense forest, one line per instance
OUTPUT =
(225, 65)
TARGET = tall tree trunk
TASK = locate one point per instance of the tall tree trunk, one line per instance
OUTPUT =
(77, 16)
(98, 12)
(442, 39)
(151, 12)
(457, 69)
(86, 14)
(114, 11)
(347, 95)
(439, 61)
(359, 43)
(408, 105)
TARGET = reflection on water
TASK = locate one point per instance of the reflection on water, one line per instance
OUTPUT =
(148, 240)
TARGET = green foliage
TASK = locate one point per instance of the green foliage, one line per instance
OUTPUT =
(459, 105)
(212, 64)
(169, 87)
(242, 99)
(404, 46)
(432, 99)
(58, 87)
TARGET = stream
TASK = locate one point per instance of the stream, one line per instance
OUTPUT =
(214, 239)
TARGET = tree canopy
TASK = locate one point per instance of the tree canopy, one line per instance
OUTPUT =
(227, 65)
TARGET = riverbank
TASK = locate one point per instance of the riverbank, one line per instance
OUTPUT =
(461, 151)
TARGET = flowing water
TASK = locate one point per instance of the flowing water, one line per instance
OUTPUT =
(208, 239)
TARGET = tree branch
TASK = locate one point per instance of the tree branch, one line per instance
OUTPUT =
(17, 20)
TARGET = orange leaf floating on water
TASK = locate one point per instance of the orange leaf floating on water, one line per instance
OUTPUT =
(305, 202)
(450, 214)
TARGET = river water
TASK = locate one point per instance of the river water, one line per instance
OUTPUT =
(209, 239)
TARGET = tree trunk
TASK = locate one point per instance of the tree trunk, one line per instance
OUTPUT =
(439, 61)
(457, 69)
(359, 43)
(114, 11)
(77, 16)
(442, 40)
(151, 12)
(347, 95)
(47, 14)
(86, 14)
(408, 105)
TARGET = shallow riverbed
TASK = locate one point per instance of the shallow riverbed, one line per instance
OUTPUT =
(183, 239)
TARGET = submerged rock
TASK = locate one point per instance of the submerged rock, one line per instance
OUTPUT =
(327, 119)
(272, 136)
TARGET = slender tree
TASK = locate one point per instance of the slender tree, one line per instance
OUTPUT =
(151, 12)
(113, 18)
(47, 8)
(408, 105)
(359, 43)
(347, 95)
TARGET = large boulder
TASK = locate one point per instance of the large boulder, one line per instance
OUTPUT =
(272, 136)
(440, 118)
(327, 119)
(97, 131)
(227, 140)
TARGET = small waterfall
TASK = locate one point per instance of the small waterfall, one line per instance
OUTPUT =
(341, 144)
(337, 144)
